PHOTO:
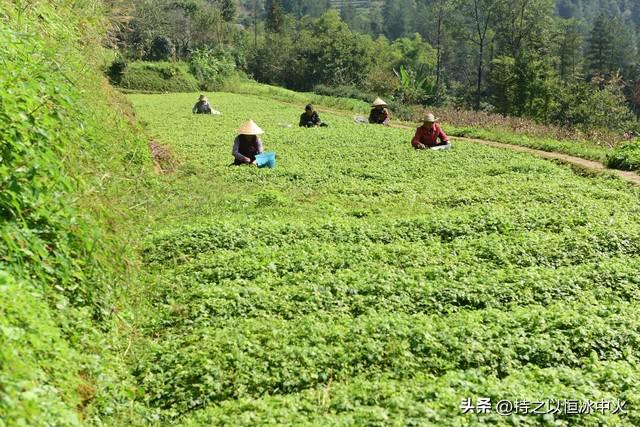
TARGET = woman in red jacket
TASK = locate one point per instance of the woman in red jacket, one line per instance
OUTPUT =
(428, 134)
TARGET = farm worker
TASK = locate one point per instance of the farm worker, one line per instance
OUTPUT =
(247, 144)
(429, 133)
(379, 114)
(202, 106)
(310, 117)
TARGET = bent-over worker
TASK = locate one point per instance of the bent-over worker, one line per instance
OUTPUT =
(310, 118)
(247, 144)
(202, 106)
(379, 113)
(429, 133)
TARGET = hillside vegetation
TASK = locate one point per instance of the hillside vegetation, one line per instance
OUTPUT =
(65, 146)
(572, 63)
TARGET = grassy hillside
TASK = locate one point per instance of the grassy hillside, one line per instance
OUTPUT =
(65, 150)
(364, 283)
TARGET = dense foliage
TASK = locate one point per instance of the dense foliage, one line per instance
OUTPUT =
(60, 146)
(626, 156)
(365, 283)
(555, 62)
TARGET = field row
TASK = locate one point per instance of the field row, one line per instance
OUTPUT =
(240, 358)
(424, 400)
(203, 299)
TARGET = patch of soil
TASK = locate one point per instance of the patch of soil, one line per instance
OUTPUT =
(163, 159)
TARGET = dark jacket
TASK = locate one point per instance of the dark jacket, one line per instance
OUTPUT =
(201, 107)
(310, 121)
(245, 149)
(380, 117)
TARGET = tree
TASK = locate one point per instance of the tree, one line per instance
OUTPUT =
(436, 14)
(567, 9)
(570, 49)
(600, 46)
(399, 17)
(348, 14)
(162, 49)
(271, 60)
(534, 86)
(480, 14)
(624, 53)
(596, 105)
(376, 18)
(179, 17)
(275, 16)
(518, 22)
(327, 52)
(228, 9)
(209, 28)
(502, 82)
(311, 8)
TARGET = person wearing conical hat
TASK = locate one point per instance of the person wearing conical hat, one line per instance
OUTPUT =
(202, 106)
(247, 144)
(379, 114)
(430, 135)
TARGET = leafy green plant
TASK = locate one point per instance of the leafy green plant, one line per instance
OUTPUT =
(210, 67)
(625, 156)
(343, 288)
(416, 84)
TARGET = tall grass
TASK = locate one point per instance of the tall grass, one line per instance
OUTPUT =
(63, 146)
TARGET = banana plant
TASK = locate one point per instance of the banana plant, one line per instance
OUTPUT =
(417, 78)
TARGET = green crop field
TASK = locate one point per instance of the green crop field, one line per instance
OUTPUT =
(362, 283)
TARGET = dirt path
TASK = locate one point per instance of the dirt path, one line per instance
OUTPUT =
(577, 161)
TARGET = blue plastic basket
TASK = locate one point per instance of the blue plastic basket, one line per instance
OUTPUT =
(266, 160)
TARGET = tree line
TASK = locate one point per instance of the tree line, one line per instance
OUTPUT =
(567, 62)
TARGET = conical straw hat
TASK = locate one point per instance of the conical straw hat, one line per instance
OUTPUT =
(377, 102)
(250, 128)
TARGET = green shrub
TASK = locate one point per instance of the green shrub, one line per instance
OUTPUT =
(162, 49)
(116, 70)
(158, 77)
(211, 68)
(382, 82)
(589, 107)
(625, 156)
